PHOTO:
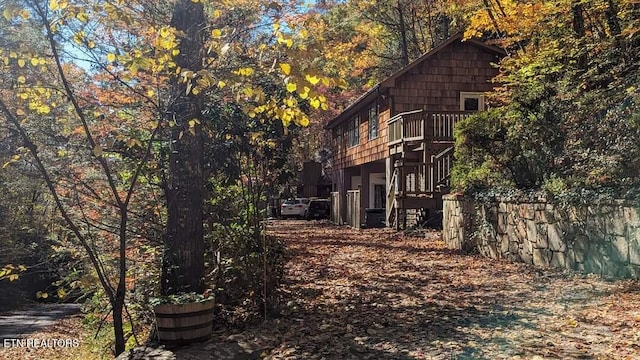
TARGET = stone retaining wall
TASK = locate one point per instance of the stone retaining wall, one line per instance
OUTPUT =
(602, 239)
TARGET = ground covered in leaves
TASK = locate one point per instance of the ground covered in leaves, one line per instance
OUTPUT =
(375, 294)
(68, 328)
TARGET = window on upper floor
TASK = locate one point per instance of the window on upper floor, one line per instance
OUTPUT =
(337, 137)
(471, 101)
(353, 131)
(373, 121)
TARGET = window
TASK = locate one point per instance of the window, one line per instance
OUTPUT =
(373, 122)
(353, 130)
(337, 136)
(471, 101)
(379, 196)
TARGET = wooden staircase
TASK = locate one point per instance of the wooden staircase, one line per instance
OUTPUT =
(421, 145)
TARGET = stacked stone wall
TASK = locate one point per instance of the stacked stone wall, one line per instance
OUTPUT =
(603, 239)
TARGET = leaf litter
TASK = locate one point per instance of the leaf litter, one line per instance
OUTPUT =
(376, 294)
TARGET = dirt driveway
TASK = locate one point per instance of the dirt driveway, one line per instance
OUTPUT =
(373, 294)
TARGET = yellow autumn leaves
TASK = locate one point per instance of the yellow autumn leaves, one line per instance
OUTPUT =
(55, 5)
(156, 60)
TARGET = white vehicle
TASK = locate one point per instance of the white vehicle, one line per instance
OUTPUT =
(294, 207)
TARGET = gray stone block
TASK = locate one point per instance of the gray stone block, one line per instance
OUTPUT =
(527, 246)
(634, 251)
(555, 238)
(492, 251)
(512, 231)
(526, 257)
(634, 271)
(573, 258)
(502, 223)
(541, 217)
(542, 236)
(542, 257)
(559, 260)
(577, 214)
(616, 223)
(502, 207)
(581, 245)
(593, 263)
(620, 249)
(531, 231)
(514, 248)
(521, 229)
(526, 211)
(504, 244)
(631, 216)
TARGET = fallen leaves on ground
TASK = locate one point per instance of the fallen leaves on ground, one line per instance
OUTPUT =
(70, 328)
(375, 294)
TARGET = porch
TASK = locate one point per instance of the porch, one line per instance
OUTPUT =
(421, 156)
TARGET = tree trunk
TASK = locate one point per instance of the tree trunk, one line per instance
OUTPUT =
(577, 11)
(612, 18)
(441, 28)
(118, 324)
(403, 35)
(183, 259)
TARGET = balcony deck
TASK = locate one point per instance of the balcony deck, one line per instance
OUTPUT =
(420, 127)
(421, 142)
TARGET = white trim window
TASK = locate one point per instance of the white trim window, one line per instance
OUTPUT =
(471, 101)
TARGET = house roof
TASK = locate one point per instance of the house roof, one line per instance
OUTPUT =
(382, 86)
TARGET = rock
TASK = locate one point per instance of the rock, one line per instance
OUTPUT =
(235, 338)
(147, 353)
(234, 351)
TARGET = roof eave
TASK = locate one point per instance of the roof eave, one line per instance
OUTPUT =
(354, 107)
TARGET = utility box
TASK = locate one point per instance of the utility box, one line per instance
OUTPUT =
(374, 217)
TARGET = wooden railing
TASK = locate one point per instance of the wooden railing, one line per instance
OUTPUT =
(391, 198)
(336, 209)
(423, 178)
(441, 168)
(423, 125)
(353, 208)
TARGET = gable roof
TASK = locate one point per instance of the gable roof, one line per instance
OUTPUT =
(382, 86)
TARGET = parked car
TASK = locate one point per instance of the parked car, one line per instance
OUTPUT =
(294, 207)
(318, 209)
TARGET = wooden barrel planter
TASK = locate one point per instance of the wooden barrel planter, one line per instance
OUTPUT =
(180, 324)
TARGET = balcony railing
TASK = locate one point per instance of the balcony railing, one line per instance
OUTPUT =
(423, 178)
(424, 125)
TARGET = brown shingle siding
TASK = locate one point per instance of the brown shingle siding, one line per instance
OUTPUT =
(434, 84)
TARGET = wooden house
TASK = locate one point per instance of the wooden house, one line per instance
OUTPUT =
(393, 147)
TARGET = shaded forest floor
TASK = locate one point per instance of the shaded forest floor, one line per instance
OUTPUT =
(374, 294)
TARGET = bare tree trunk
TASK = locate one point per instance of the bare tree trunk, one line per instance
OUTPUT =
(577, 10)
(612, 18)
(403, 35)
(442, 28)
(183, 260)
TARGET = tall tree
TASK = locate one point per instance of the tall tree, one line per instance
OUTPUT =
(105, 80)
(183, 258)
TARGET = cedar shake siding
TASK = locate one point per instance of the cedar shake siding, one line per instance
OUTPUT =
(393, 147)
(433, 83)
